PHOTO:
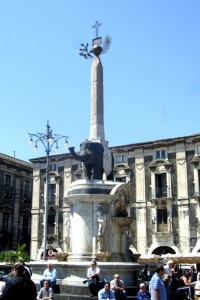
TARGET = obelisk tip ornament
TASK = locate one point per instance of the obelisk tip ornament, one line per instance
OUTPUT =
(97, 49)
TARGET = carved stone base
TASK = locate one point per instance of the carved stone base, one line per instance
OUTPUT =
(103, 256)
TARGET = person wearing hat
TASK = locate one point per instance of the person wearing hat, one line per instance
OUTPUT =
(20, 287)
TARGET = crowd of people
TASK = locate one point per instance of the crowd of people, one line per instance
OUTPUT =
(169, 282)
(161, 285)
(114, 289)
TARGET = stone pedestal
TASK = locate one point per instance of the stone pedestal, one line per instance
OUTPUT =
(87, 200)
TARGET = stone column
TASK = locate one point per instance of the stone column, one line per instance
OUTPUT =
(97, 102)
(36, 235)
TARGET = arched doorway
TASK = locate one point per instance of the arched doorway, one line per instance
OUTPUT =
(163, 250)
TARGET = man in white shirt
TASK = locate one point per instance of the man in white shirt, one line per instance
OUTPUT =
(168, 277)
(93, 278)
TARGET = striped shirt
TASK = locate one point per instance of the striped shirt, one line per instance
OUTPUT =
(157, 284)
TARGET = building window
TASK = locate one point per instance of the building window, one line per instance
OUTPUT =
(52, 167)
(162, 220)
(197, 189)
(7, 181)
(121, 179)
(25, 224)
(161, 185)
(8, 186)
(26, 188)
(121, 159)
(161, 154)
(6, 222)
(52, 192)
(198, 149)
(51, 224)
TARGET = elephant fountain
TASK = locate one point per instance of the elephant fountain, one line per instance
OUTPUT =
(91, 156)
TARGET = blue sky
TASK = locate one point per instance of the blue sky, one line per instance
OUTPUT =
(151, 71)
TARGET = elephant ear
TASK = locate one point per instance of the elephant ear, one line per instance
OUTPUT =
(98, 148)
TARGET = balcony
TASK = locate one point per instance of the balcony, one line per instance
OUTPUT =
(161, 193)
(27, 196)
(52, 200)
(162, 228)
(9, 191)
(50, 230)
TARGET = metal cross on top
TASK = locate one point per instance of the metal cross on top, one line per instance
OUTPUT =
(96, 26)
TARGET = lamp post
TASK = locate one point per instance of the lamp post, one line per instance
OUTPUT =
(48, 140)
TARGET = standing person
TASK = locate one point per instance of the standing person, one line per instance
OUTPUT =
(157, 286)
(49, 275)
(197, 287)
(193, 272)
(20, 287)
(169, 269)
(145, 276)
(106, 292)
(45, 292)
(117, 286)
(143, 294)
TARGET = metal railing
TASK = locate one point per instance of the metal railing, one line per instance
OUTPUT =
(161, 193)
(162, 228)
(50, 230)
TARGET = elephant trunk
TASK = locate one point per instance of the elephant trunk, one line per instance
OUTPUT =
(81, 158)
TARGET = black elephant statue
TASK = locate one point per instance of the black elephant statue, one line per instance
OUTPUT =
(91, 155)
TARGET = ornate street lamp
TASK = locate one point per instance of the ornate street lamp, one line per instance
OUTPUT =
(48, 139)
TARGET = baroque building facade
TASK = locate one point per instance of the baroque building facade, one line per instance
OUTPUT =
(163, 179)
(16, 202)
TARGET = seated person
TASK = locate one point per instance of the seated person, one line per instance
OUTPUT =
(143, 294)
(187, 285)
(117, 286)
(49, 275)
(93, 278)
(106, 292)
(197, 287)
(45, 292)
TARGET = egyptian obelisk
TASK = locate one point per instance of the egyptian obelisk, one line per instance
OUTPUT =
(97, 102)
(97, 133)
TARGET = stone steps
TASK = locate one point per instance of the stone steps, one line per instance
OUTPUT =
(80, 297)
(81, 292)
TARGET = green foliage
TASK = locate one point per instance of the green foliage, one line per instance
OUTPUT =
(14, 256)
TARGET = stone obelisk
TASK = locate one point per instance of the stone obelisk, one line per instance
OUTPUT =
(97, 133)
(97, 102)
